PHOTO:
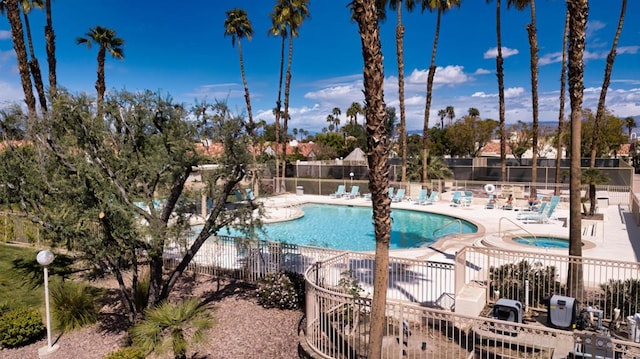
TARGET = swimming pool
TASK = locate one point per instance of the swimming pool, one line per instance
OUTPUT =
(543, 241)
(351, 228)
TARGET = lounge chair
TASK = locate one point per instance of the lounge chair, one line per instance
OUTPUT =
(456, 200)
(491, 202)
(355, 192)
(238, 195)
(467, 199)
(422, 197)
(399, 195)
(338, 193)
(250, 195)
(540, 217)
(391, 190)
(433, 197)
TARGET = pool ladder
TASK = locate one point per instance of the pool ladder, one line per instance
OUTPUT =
(531, 237)
(433, 234)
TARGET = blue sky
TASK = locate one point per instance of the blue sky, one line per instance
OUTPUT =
(181, 50)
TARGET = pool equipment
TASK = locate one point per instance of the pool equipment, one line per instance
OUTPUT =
(508, 309)
(562, 312)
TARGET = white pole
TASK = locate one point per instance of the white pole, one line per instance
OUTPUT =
(46, 305)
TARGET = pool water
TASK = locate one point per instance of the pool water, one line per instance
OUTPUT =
(351, 228)
(545, 242)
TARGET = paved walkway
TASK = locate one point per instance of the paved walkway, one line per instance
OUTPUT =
(617, 237)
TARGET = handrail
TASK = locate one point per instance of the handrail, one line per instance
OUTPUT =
(433, 234)
(531, 235)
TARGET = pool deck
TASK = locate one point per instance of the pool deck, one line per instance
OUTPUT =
(616, 237)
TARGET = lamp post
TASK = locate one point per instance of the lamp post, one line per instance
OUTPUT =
(45, 258)
(351, 175)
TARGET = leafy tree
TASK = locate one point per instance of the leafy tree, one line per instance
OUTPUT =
(333, 140)
(12, 124)
(467, 136)
(95, 179)
(169, 324)
(610, 138)
(365, 14)
(519, 140)
(107, 41)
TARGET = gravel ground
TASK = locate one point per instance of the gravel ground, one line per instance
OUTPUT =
(242, 328)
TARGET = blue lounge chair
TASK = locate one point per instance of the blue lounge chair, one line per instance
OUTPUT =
(399, 195)
(422, 196)
(338, 193)
(540, 217)
(250, 195)
(456, 200)
(467, 199)
(355, 192)
(433, 197)
(391, 190)
(491, 202)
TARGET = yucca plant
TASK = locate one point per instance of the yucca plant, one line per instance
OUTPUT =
(167, 324)
(73, 305)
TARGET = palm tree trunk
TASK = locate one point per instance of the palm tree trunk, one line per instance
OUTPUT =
(101, 87)
(563, 82)
(35, 67)
(285, 120)
(427, 107)
(13, 15)
(250, 127)
(501, 110)
(605, 86)
(365, 14)
(533, 47)
(403, 120)
(51, 50)
(577, 25)
(278, 113)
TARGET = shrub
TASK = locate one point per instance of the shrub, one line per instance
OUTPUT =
(299, 286)
(622, 294)
(20, 327)
(141, 294)
(509, 279)
(126, 353)
(276, 290)
(73, 306)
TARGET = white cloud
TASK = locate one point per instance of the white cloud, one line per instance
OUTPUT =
(492, 53)
(10, 93)
(482, 94)
(5, 35)
(513, 92)
(217, 91)
(593, 26)
(627, 50)
(449, 75)
(550, 58)
(481, 71)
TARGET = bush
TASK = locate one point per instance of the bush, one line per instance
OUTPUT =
(73, 306)
(20, 326)
(277, 291)
(126, 353)
(622, 294)
(509, 279)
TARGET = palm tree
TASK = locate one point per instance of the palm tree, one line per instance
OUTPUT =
(630, 124)
(107, 41)
(353, 111)
(13, 15)
(563, 81)
(533, 49)
(278, 28)
(442, 113)
(51, 49)
(238, 26)
(451, 114)
(501, 110)
(34, 66)
(167, 325)
(605, 86)
(577, 29)
(365, 14)
(336, 116)
(330, 121)
(440, 6)
(592, 177)
(473, 112)
(292, 14)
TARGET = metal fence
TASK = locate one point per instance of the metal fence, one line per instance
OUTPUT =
(531, 277)
(338, 326)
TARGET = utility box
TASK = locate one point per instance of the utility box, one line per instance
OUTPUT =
(508, 310)
(562, 312)
(299, 191)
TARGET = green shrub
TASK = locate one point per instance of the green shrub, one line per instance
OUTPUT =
(277, 291)
(509, 279)
(622, 294)
(72, 305)
(141, 294)
(20, 326)
(126, 353)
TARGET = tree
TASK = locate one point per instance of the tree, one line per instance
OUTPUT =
(278, 28)
(592, 177)
(365, 14)
(442, 113)
(353, 111)
(563, 82)
(533, 49)
(473, 112)
(501, 102)
(291, 14)
(600, 112)
(451, 114)
(238, 26)
(579, 10)
(34, 66)
(167, 325)
(519, 140)
(50, 38)
(107, 41)
(440, 6)
(630, 124)
(96, 179)
(13, 15)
